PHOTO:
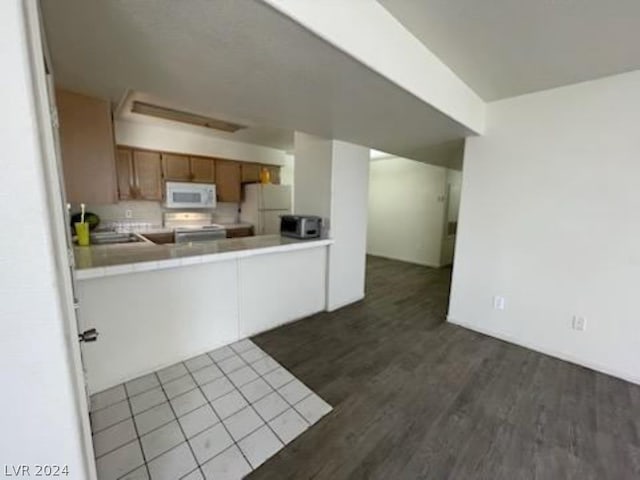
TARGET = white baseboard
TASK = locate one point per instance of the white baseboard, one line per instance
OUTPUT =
(547, 351)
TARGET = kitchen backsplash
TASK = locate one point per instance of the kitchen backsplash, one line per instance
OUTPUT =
(148, 215)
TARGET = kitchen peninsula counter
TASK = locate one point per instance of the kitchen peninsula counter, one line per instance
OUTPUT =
(155, 305)
(106, 260)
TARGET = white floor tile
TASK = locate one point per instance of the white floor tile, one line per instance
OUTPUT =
(108, 397)
(313, 408)
(253, 355)
(115, 464)
(242, 375)
(174, 464)
(146, 400)
(242, 345)
(256, 389)
(242, 423)
(210, 443)
(179, 386)
(196, 363)
(200, 419)
(217, 388)
(259, 446)
(207, 374)
(110, 415)
(270, 406)
(265, 365)
(228, 404)
(137, 474)
(230, 364)
(278, 377)
(186, 402)
(172, 372)
(294, 391)
(154, 418)
(288, 425)
(195, 475)
(221, 353)
(113, 437)
(161, 440)
(142, 384)
(229, 465)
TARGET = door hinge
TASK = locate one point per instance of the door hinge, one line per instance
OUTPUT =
(55, 120)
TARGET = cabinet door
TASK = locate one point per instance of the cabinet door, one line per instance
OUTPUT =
(87, 147)
(240, 232)
(250, 173)
(148, 175)
(203, 170)
(124, 169)
(274, 173)
(176, 167)
(228, 181)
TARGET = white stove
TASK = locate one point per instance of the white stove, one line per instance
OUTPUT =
(193, 227)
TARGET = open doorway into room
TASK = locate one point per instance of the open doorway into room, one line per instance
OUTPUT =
(413, 206)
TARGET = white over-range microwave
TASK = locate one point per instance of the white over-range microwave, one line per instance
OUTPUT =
(190, 195)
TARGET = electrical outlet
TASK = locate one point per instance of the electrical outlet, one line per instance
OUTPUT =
(128, 213)
(498, 303)
(579, 323)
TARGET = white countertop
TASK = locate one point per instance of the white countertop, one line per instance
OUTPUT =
(106, 260)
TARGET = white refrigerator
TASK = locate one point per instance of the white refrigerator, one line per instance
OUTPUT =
(263, 205)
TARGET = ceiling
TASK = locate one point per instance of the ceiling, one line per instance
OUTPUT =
(504, 48)
(239, 61)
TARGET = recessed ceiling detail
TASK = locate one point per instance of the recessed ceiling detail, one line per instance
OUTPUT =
(184, 117)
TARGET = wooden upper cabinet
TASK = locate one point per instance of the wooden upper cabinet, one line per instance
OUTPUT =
(203, 170)
(176, 167)
(228, 181)
(87, 147)
(148, 175)
(124, 168)
(250, 172)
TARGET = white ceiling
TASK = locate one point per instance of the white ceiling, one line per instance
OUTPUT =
(504, 48)
(237, 60)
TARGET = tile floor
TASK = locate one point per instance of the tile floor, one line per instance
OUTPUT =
(216, 416)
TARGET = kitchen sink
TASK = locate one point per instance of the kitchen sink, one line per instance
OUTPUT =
(107, 238)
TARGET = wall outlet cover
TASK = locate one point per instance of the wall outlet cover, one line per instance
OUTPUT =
(498, 302)
(128, 213)
(579, 323)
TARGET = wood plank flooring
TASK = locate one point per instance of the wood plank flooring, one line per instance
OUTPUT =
(417, 398)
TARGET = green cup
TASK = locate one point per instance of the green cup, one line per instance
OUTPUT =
(82, 231)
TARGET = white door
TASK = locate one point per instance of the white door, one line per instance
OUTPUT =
(275, 197)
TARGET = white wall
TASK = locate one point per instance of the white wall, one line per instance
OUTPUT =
(549, 220)
(331, 181)
(192, 140)
(312, 176)
(366, 31)
(40, 415)
(347, 258)
(406, 210)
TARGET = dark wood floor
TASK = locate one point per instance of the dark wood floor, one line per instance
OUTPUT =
(415, 397)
